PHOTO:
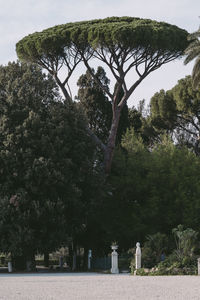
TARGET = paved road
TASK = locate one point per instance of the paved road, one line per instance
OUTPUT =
(92, 286)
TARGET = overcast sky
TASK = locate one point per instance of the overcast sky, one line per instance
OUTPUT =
(21, 17)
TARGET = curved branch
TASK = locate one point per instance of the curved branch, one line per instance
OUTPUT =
(95, 139)
(96, 79)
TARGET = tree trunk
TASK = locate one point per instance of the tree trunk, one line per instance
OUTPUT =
(30, 263)
(70, 256)
(46, 259)
(19, 262)
(74, 266)
(85, 258)
(109, 151)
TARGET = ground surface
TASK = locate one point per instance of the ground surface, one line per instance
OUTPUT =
(92, 286)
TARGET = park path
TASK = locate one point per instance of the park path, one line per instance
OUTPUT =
(93, 286)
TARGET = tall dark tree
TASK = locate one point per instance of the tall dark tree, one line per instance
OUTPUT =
(122, 44)
(140, 121)
(97, 106)
(95, 103)
(45, 157)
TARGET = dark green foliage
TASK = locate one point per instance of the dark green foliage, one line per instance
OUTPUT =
(154, 251)
(95, 103)
(163, 110)
(186, 241)
(135, 119)
(44, 159)
(155, 246)
(124, 31)
(98, 108)
(180, 261)
(177, 111)
(140, 121)
(152, 191)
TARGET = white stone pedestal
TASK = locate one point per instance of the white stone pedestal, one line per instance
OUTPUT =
(89, 259)
(138, 256)
(114, 260)
(9, 267)
(198, 264)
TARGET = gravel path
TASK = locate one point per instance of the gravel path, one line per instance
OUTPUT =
(92, 286)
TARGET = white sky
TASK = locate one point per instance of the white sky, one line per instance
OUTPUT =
(21, 17)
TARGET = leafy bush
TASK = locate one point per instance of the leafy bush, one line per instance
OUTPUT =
(182, 260)
(167, 268)
(154, 247)
(175, 268)
(142, 272)
(185, 242)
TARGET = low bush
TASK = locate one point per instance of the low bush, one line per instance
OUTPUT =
(182, 260)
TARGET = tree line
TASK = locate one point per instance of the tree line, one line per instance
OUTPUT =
(55, 188)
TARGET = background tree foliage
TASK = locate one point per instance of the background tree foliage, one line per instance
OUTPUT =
(177, 111)
(95, 103)
(152, 191)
